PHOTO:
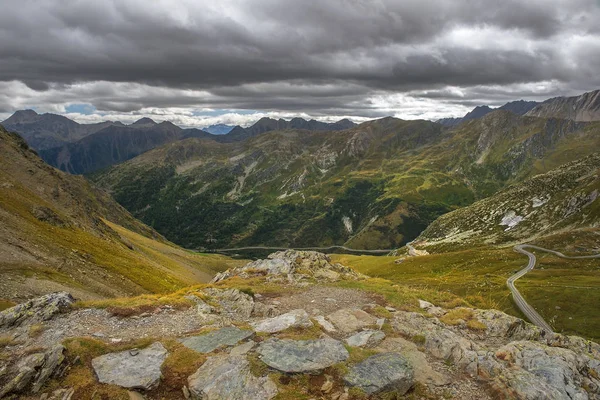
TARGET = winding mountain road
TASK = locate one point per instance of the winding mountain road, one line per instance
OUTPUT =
(527, 309)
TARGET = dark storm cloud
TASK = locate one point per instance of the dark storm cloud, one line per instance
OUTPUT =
(324, 57)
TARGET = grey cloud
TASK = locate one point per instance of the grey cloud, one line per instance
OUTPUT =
(325, 57)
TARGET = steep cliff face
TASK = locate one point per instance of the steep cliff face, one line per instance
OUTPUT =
(577, 108)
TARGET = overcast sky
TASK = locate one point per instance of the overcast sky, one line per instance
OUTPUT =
(201, 62)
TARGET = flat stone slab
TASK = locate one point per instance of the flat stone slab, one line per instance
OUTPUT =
(211, 341)
(133, 369)
(229, 377)
(302, 355)
(368, 338)
(293, 319)
(384, 372)
(348, 320)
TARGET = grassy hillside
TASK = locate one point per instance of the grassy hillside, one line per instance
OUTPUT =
(57, 232)
(565, 292)
(563, 199)
(377, 185)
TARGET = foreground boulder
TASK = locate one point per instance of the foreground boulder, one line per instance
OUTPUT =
(211, 341)
(302, 355)
(351, 320)
(32, 371)
(229, 377)
(293, 319)
(232, 303)
(132, 369)
(385, 372)
(36, 310)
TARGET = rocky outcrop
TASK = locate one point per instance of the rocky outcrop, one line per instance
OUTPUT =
(31, 372)
(229, 377)
(294, 266)
(232, 303)
(578, 108)
(132, 369)
(385, 372)
(36, 310)
(302, 355)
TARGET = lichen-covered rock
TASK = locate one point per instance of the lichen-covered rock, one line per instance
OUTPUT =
(431, 309)
(131, 369)
(211, 341)
(440, 341)
(384, 372)
(36, 310)
(348, 320)
(562, 369)
(232, 303)
(293, 319)
(229, 377)
(33, 371)
(368, 338)
(302, 355)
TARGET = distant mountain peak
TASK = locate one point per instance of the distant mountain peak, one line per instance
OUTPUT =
(22, 116)
(144, 121)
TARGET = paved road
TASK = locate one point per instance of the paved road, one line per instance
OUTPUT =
(382, 251)
(528, 310)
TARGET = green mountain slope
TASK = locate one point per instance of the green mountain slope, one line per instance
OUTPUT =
(57, 232)
(561, 200)
(376, 185)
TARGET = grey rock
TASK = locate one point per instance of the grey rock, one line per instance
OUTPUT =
(559, 368)
(423, 372)
(35, 370)
(243, 348)
(368, 338)
(385, 372)
(233, 303)
(36, 310)
(302, 355)
(52, 360)
(440, 341)
(293, 319)
(431, 309)
(349, 320)
(211, 341)
(326, 325)
(229, 377)
(141, 371)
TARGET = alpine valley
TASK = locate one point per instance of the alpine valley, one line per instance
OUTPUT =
(114, 283)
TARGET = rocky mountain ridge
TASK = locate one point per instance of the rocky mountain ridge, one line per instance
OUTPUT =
(345, 344)
(585, 107)
(377, 185)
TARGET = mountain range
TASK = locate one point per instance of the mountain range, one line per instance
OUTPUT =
(377, 185)
(308, 183)
(519, 107)
(80, 148)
